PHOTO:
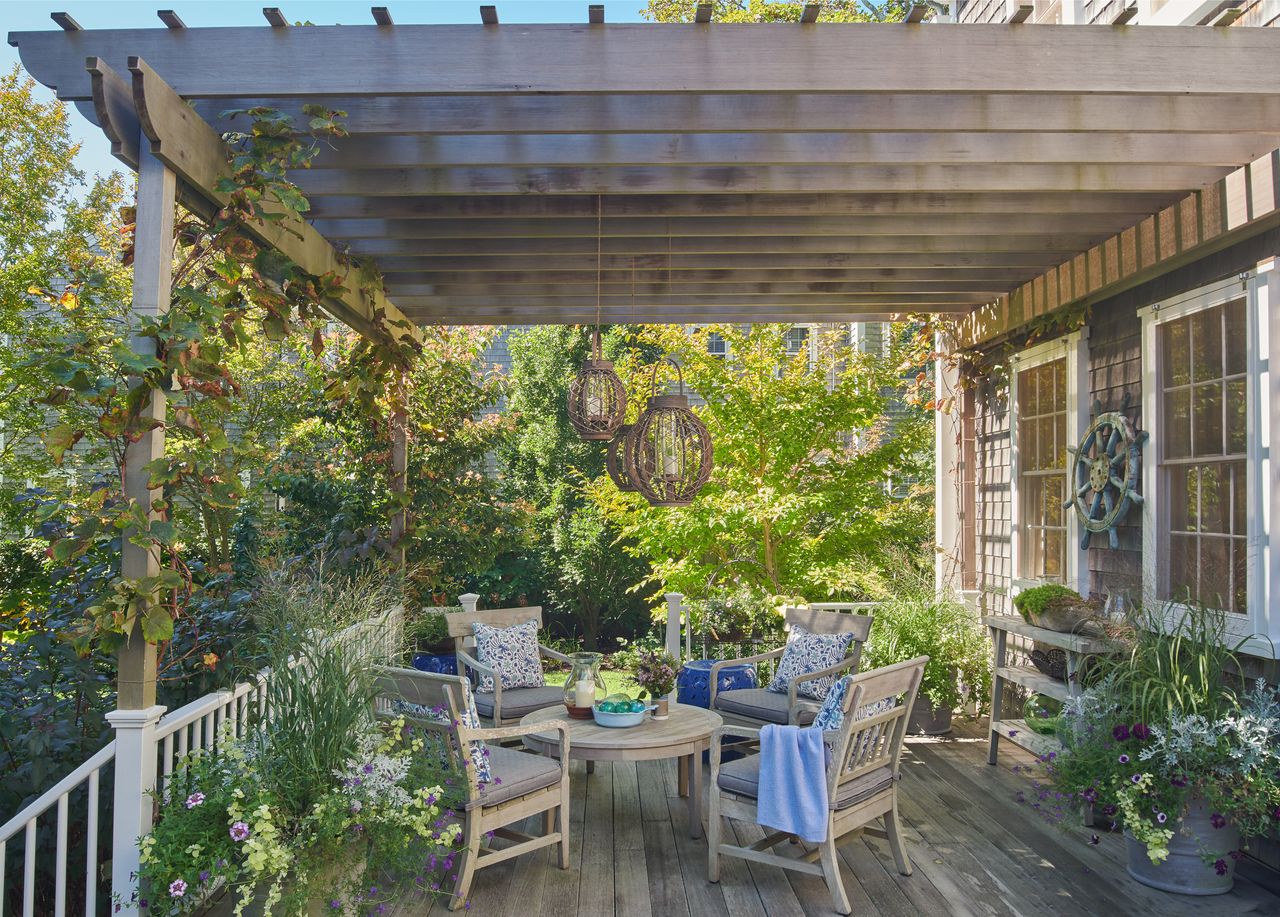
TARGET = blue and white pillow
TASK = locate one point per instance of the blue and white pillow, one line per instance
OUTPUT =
(830, 715)
(469, 717)
(512, 652)
(806, 653)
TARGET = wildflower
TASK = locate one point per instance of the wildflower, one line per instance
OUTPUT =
(1120, 733)
(1136, 778)
(1178, 780)
(373, 891)
(194, 800)
(1140, 731)
(335, 904)
(177, 888)
(1217, 820)
(1220, 867)
(1124, 759)
(1161, 817)
(239, 831)
(368, 768)
(204, 875)
(1013, 733)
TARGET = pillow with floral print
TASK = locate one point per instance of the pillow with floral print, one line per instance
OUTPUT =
(806, 653)
(830, 716)
(512, 652)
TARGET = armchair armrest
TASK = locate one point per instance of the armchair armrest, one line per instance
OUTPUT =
(842, 666)
(470, 662)
(509, 732)
(552, 654)
(717, 738)
(714, 677)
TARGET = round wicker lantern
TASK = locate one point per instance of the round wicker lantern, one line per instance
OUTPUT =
(597, 399)
(670, 456)
(615, 459)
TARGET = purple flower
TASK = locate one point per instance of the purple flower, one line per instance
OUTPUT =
(204, 875)
(1124, 759)
(194, 800)
(1161, 817)
(1220, 867)
(368, 768)
(373, 891)
(239, 831)
(1120, 733)
(177, 888)
(1013, 733)
(335, 904)
(1141, 731)
(1217, 820)
(1136, 778)
(1178, 780)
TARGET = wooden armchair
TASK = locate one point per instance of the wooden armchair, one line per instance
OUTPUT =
(757, 706)
(862, 781)
(523, 784)
(502, 707)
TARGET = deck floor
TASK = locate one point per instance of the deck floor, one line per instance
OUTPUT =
(976, 851)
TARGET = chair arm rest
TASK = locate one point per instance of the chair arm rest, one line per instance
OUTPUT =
(552, 654)
(841, 666)
(508, 732)
(713, 678)
(717, 737)
(470, 662)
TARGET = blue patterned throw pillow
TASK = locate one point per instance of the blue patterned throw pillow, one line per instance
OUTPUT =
(806, 653)
(830, 715)
(512, 652)
(470, 718)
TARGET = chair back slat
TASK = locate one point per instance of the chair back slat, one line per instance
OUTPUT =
(818, 620)
(866, 744)
(444, 695)
(459, 623)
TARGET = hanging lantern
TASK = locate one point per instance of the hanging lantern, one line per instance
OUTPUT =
(616, 459)
(669, 459)
(597, 400)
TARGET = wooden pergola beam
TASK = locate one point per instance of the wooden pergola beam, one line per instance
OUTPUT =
(756, 57)
(187, 145)
(620, 304)
(1204, 112)
(678, 179)
(615, 280)
(750, 291)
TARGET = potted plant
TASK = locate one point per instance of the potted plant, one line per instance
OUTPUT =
(943, 629)
(1172, 747)
(656, 672)
(1055, 607)
(433, 649)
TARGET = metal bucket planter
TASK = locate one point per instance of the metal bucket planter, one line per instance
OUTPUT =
(1185, 872)
(924, 720)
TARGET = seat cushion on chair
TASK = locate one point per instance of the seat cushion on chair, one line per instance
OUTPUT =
(516, 773)
(742, 777)
(761, 704)
(516, 702)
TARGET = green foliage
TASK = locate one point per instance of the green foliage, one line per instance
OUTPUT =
(730, 614)
(810, 469)
(1031, 603)
(770, 11)
(920, 623)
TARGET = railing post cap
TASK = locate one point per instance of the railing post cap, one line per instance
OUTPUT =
(136, 719)
(469, 597)
(675, 596)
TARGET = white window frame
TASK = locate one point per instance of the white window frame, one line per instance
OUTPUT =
(1260, 626)
(1074, 347)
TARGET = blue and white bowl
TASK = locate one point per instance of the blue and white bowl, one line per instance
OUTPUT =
(620, 720)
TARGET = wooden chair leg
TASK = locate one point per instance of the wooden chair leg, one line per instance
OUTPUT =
(893, 830)
(713, 836)
(466, 862)
(562, 821)
(831, 873)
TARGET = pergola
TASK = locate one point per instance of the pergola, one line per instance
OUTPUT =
(772, 172)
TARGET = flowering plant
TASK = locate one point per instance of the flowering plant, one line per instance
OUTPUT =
(381, 821)
(656, 672)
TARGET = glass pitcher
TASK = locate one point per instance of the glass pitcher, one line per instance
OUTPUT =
(584, 684)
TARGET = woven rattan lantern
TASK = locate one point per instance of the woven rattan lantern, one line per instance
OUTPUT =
(669, 459)
(597, 399)
(615, 460)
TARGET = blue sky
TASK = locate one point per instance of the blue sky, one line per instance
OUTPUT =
(95, 153)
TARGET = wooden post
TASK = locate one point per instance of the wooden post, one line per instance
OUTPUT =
(674, 607)
(137, 713)
(399, 472)
(947, 470)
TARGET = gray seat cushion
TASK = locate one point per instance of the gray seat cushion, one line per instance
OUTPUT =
(742, 777)
(516, 702)
(761, 704)
(515, 774)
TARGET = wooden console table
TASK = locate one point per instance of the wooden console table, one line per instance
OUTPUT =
(1076, 647)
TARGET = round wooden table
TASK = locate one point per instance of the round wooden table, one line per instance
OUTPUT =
(684, 735)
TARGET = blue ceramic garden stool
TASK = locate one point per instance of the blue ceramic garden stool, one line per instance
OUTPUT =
(436, 663)
(693, 686)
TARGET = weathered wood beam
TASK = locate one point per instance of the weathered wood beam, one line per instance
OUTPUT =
(756, 57)
(691, 313)
(190, 148)
(751, 291)
(975, 224)
(171, 19)
(957, 301)
(1000, 277)
(381, 15)
(563, 206)
(704, 179)
(65, 22)
(854, 112)
(389, 151)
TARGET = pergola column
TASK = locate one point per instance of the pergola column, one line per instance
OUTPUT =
(948, 474)
(400, 467)
(137, 713)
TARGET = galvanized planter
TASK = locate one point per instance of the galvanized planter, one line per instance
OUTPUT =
(1185, 872)
(924, 720)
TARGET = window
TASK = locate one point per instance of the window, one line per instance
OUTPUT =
(1047, 417)
(1204, 524)
(717, 346)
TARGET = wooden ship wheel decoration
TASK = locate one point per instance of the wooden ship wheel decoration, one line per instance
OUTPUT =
(1107, 469)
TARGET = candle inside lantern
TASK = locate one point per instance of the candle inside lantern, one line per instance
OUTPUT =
(595, 404)
(584, 693)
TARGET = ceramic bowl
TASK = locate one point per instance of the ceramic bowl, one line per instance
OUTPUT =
(619, 720)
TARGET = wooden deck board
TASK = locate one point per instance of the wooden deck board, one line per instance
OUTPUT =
(976, 850)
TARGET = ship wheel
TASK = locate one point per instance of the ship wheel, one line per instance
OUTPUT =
(1108, 467)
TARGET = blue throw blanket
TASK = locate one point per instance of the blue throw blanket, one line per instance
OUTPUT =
(793, 782)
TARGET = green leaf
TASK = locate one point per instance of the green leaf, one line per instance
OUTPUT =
(61, 438)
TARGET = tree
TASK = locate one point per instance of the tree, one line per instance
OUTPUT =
(546, 466)
(766, 11)
(814, 482)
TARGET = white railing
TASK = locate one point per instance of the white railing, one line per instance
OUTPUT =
(197, 726)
